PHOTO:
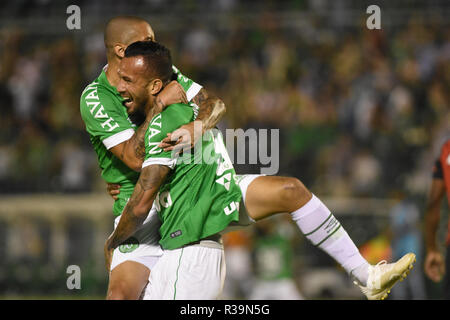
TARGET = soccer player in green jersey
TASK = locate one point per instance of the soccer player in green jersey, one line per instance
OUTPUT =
(119, 145)
(194, 205)
(197, 201)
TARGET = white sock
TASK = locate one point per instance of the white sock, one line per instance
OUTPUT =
(323, 230)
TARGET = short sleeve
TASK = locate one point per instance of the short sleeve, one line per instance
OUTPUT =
(163, 123)
(190, 87)
(156, 132)
(105, 117)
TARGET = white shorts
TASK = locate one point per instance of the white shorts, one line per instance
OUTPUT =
(244, 180)
(143, 246)
(193, 272)
(245, 220)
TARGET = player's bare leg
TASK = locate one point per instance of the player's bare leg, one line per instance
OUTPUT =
(268, 195)
(127, 281)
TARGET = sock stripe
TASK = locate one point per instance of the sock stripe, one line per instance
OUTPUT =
(310, 233)
(328, 234)
(326, 238)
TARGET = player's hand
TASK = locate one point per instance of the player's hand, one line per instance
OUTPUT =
(108, 251)
(113, 190)
(184, 138)
(434, 266)
(172, 93)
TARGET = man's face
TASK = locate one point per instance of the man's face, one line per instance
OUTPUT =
(133, 86)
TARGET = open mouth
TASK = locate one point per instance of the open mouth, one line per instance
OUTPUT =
(127, 102)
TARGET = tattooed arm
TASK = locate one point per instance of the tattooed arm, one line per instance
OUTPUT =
(211, 110)
(137, 208)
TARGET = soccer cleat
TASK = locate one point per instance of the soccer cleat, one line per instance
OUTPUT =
(383, 276)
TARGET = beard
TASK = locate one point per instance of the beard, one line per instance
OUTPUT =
(137, 117)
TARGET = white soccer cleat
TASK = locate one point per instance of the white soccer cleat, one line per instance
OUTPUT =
(383, 276)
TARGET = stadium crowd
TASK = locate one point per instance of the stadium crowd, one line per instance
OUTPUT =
(360, 111)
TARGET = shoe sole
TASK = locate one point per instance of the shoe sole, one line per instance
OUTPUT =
(410, 259)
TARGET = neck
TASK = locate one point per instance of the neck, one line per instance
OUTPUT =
(111, 71)
(153, 106)
(150, 104)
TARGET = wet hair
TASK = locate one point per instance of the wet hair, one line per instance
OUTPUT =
(157, 58)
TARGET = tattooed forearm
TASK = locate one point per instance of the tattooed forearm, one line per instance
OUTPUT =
(153, 177)
(211, 109)
(217, 110)
(200, 99)
(129, 222)
(140, 203)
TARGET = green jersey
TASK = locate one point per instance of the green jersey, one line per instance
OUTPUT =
(199, 197)
(108, 125)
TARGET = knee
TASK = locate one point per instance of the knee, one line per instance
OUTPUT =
(294, 192)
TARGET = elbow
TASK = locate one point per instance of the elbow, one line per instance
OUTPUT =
(135, 165)
(220, 105)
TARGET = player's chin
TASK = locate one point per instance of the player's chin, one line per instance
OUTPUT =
(137, 117)
(131, 109)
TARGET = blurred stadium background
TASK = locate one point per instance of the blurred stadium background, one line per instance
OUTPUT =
(362, 114)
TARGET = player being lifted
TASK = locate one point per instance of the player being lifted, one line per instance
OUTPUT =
(119, 146)
(192, 208)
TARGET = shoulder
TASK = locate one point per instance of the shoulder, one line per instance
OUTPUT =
(445, 147)
(173, 117)
(98, 99)
(178, 111)
(167, 121)
(190, 87)
(97, 91)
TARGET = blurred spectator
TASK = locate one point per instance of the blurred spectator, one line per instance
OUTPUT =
(273, 250)
(384, 91)
(240, 278)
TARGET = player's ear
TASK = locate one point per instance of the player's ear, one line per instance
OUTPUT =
(155, 86)
(119, 50)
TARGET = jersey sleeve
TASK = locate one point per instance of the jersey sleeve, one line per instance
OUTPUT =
(105, 117)
(190, 87)
(162, 124)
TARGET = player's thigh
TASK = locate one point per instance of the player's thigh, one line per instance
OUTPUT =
(267, 195)
(127, 280)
